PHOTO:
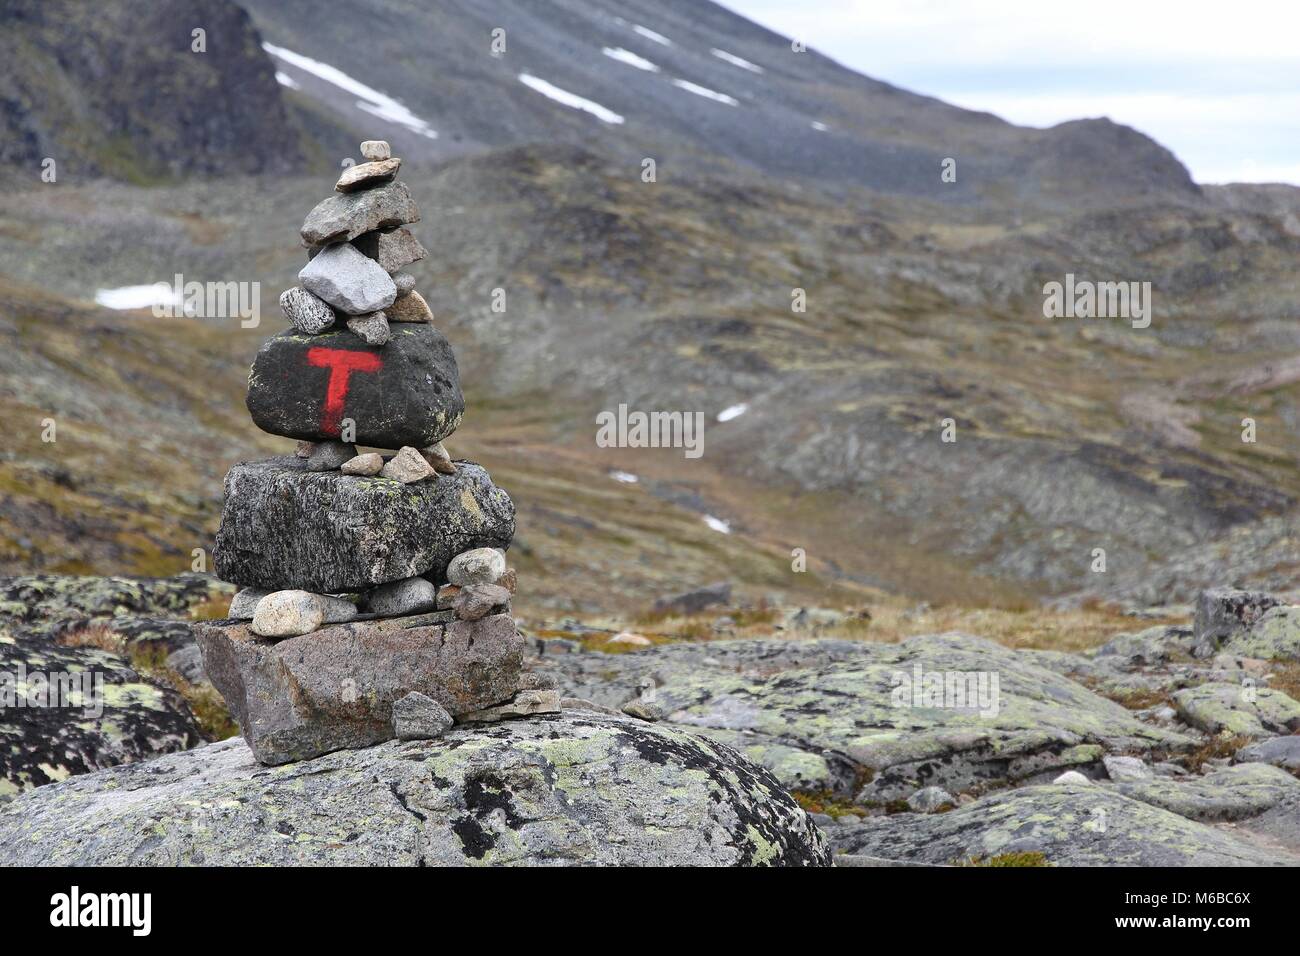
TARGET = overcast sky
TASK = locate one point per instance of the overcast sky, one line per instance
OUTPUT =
(1217, 82)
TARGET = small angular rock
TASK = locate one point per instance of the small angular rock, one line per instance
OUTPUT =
(393, 249)
(330, 455)
(509, 580)
(348, 281)
(405, 283)
(1126, 768)
(447, 595)
(480, 566)
(526, 703)
(376, 149)
(407, 466)
(367, 175)
(479, 600)
(368, 464)
(419, 717)
(410, 308)
(931, 800)
(288, 614)
(306, 312)
(304, 449)
(372, 328)
(437, 456)
(408, 596)
(244, 603)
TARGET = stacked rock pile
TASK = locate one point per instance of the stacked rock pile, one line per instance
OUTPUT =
(376, 596)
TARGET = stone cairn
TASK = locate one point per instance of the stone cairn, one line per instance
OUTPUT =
(375, 599)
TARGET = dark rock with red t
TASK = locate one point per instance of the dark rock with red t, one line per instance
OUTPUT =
(286, 527)
(406, 392)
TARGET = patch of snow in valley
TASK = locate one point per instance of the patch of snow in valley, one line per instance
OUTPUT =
(707, 93)
(717, 524)
(284, 79)
(630, 58)
(737, 61)
(651, 35)
(137, 296)
(624, 476)
(819, 126)
(733, 411)
(368, 98)
(553, 92)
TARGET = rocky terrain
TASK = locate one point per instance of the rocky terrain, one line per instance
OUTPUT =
(797, 272)
(1173, 744)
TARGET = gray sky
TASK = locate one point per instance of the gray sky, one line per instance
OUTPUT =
(1216, 82)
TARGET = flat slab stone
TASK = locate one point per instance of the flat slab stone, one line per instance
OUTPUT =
(344, 216)
(406, 392)
(286, 527)
(335, 688)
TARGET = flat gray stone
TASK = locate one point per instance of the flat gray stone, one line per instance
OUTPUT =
(244, 603)
(368, 175)
(330, 455)
(348, 280)
(335, 688)
(1070, 825)
(1281, 752)
(344, 216)
(283, 526)
(409, 596)
(1120, 768)
(931, 800)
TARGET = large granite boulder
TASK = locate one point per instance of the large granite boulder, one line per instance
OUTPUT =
(841, 715)
(336, 687)
(286, 527)
(406, 392)
(576, 788)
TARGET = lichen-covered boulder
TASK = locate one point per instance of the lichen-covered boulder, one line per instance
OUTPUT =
(1069, 824)
(576, 788)
(58, 631)
(68, 710)
(285, 527)
(1274, 636)
(830, 714)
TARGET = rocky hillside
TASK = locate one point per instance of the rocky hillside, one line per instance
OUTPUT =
(120, 89)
